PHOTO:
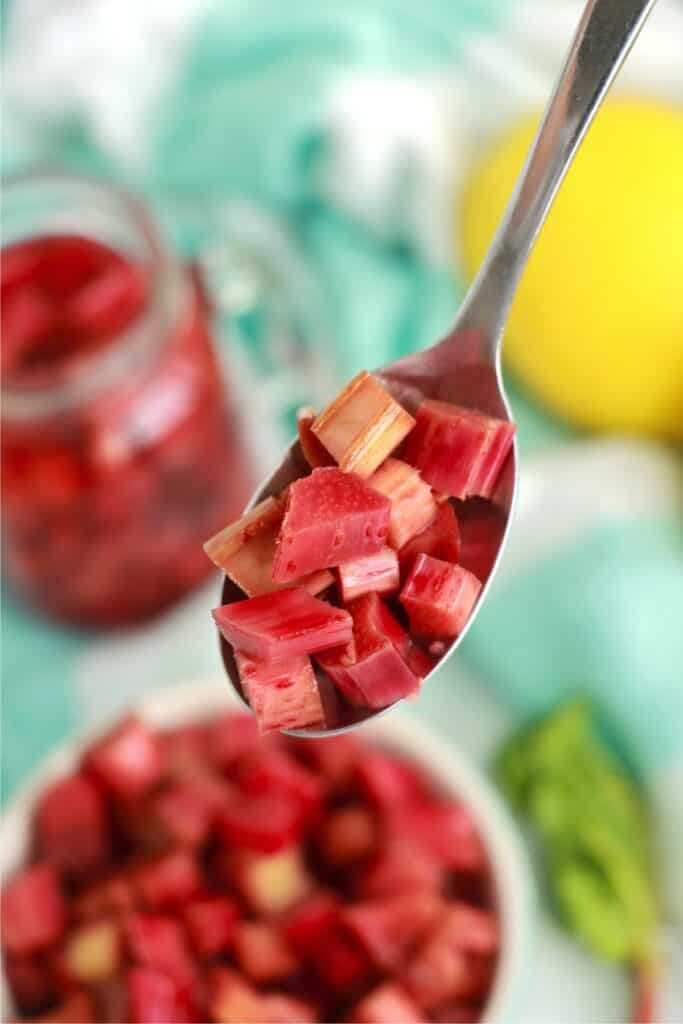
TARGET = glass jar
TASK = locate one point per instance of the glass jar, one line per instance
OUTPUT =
(119, 453)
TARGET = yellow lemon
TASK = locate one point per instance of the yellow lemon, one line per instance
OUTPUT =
(596, 330)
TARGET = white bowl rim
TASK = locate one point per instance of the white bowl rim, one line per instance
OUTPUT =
(449, 768)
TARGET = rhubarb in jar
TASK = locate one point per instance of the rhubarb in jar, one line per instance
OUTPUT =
(120, 452)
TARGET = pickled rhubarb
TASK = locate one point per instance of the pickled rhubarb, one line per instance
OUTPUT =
(313, 451)
(438, 598)
(378, 573)
(458, 452)
(413, 507)
(330, 518)
(441, 539)
(282, 694)
(362, 425)
(283, 625)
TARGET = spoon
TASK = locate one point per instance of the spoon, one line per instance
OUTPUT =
(464, 367)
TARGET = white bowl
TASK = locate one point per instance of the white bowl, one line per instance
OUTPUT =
(452, 772)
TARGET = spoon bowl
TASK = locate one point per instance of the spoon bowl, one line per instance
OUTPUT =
(464, 367)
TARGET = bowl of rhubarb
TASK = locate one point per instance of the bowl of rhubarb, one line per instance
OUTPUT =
(177, 866)
(350, 580)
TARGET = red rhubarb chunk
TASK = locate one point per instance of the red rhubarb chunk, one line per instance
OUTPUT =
(413, 506)
(109, 302)
(378, 572)
(27, 319)
(348, 835)
(277, 1008)
(282, 694)
(210, 923)
(159, 942)
(330, 518)
(287, 624)
(402, 866)
(457, 451)
(272, 771)
(33, 910)
(443, 968)
(168, 881)
(261, 824)
(231, 737)
(390, 928)
(389, 782)
(440, 540)
(72, 828)
(444, 829)
(262, 952)
(187, 809)
(374, 673)
(387, 1002)
(30, 981)
(155, 998)
(439, 598)
(129, 760)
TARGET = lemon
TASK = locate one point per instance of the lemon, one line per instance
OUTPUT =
(596, 329)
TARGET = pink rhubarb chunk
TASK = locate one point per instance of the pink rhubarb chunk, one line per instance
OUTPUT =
(373, 673)
(245, 551)
(387, 1002)
(282, 694)
(287, 624)
(438, 597)
(457, 451)
(331, 518)
(441, 539)
(33, 910)
(378, 572)
(413, 506)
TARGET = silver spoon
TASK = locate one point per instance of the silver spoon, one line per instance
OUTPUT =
(464, 367)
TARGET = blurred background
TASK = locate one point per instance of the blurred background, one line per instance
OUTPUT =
(315, 185)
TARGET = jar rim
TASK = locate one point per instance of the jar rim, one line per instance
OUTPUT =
(135, 346)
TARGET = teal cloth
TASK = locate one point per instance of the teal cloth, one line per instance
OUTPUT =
(245, 115)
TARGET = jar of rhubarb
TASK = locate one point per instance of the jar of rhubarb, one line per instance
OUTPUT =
(120, 455)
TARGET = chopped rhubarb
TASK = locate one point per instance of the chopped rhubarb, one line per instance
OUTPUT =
(362, 425)
(262, 824)
(334, 757)
(92, 953)
(282, 694)
(445, 829)
(388, 782)
(458, 452)
(27, 320)
(33, 910)
(262, 952)
(481, 529)
(378, 572)
(273, 883)
(31, 982)
(274, 772)
(330, 518)
(390, 928)
(375, 674)
(278, 1008)
(443, 968)
(109, 302)
(438, 597)
(155, 998)
(403, 866)
(440, 540)
(313, 451)
(231, 999)
(387, 1003)
(231, 737)
(128, 761)
(168, 881)
(210, 923)
(72, 829)
(159, 942)
(413, 507)
(245, 551)
(283, 625)
(348, 835)
(188, 809)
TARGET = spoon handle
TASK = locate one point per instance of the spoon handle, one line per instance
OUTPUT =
(606, 32)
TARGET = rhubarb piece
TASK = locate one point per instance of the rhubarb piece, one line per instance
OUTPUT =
(245, 551)
(440, 540)
(334, 757)
(313, 451)
(232, 1000)
(263, 824)
(377, 674)
(168, 881)
(378, 572)
(318, 935)
(33, 910)
(72, 829)
(362, 425)
(277, 1008)
(444, 829)
(481, 528)
(231, 737)
(402, 866)
(389, 929)
(262, 953)
(27, 320)
(155, 998)
(273, 883)
(282, 694)
(387, 1002)
(31, 983)
(307, 925)
(347, 836)
(159, 942)
(113, 895)
(128, 760)
(457, 451)
(188, 809)
(211, 923)
(439, 598)
(273, 772)
(184, 751)
(92, 952)
(330, 518)
(109, 302)
(274, 627)
(413, 507)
